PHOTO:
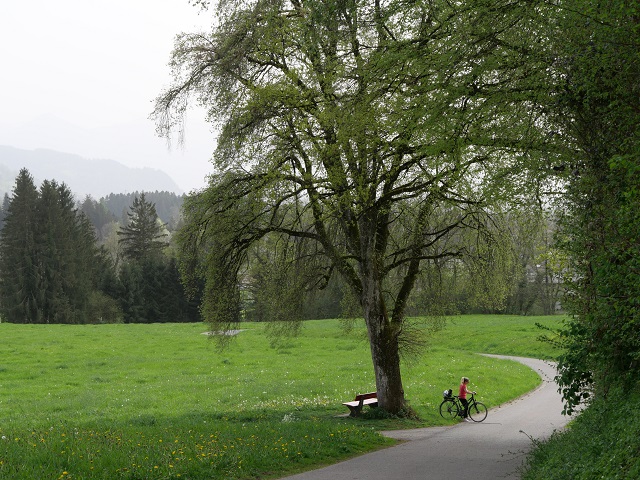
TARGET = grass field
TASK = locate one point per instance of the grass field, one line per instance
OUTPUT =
(160, 401)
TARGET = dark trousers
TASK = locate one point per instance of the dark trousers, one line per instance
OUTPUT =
(465, 405)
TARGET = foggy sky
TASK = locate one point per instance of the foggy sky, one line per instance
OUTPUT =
(80, 76)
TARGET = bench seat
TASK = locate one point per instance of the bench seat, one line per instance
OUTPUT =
(362, 399)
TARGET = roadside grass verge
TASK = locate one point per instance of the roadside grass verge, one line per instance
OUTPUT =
(160, 401)
(602, 442)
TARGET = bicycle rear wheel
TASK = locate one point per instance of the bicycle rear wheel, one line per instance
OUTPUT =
(448, 409)
(477, 412)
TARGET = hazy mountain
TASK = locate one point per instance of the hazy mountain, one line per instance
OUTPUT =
(133, 143)
(95, 177)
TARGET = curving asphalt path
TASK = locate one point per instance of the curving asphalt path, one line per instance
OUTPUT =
(490, 450)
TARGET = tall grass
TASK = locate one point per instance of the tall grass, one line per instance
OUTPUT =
(160, 401)
(603, 442)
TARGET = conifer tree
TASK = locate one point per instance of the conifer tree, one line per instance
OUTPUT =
(143, 235)
(5, 205)
(67, 254)
(18, 259)
(49, 257)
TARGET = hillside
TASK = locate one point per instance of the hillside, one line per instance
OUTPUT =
(95, 177)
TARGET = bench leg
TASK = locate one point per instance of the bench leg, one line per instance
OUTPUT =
(355, 411)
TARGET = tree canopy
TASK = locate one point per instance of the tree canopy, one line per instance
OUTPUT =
(599, 112)
(368, 140)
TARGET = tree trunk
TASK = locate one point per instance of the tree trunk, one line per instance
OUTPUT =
(383, 340)
(386, 360)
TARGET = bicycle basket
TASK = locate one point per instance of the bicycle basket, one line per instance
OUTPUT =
(447, 393)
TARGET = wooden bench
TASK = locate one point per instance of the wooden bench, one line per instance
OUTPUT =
(360, 401)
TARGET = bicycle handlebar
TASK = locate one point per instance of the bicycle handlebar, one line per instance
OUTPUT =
(458, 396)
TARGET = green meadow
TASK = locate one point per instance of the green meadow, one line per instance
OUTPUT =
(163, 402)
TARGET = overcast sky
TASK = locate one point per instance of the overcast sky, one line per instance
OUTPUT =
(80, 76)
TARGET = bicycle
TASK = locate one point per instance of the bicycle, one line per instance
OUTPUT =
(451, 407)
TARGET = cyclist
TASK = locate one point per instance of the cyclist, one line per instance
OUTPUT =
(462, 395)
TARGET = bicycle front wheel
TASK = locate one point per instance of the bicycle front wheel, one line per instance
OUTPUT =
(448, 409)
(477, 412)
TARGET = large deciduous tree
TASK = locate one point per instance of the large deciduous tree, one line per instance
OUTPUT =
(364, 139)
(599, 109)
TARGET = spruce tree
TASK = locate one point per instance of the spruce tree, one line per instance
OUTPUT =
(5, 205)
(142, 236)
(49, 257)
(67, 254)
(19, 276)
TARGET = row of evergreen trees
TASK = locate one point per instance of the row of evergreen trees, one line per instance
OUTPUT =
(53, 270)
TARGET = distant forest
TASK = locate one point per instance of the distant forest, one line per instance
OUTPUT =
(114, 208)
(126, 286)
(94, 261)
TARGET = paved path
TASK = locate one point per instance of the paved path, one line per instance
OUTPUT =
(490, 450)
